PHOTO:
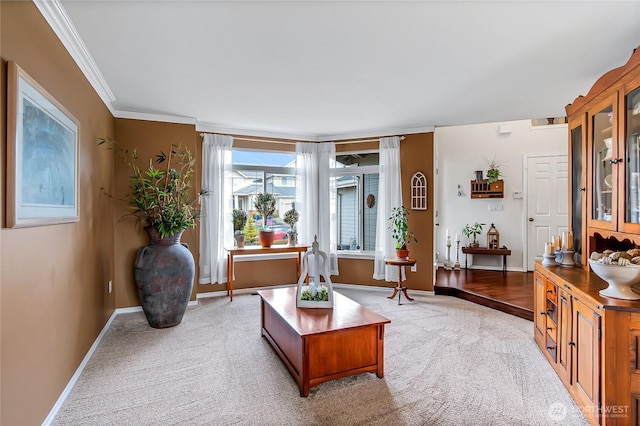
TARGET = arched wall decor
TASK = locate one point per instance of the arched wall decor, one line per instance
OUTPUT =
(419, 191)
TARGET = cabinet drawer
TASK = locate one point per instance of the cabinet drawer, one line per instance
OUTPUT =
(552, 331)
(552, 311)
(551, 347)
(552, 292)
(634, 321)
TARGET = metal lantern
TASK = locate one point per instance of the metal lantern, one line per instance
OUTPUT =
(318, 293)
(493, 238)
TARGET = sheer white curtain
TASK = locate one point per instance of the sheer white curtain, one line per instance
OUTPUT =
(389, 196)
(316, 197)
(216, 225)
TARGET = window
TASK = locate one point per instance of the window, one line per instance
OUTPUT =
(357, 186)
(255, 172)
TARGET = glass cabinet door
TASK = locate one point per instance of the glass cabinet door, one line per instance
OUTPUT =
(602, 160)
(577, 189)
(632, 157)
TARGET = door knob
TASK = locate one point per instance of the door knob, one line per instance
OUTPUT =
(530, 219)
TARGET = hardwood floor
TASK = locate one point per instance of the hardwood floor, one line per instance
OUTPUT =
(511, 292)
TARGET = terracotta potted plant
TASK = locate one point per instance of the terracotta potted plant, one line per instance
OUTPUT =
(399, 226)
(291, 218)
(472, 232)
(265, 205)
(160, 200)
(239, 222)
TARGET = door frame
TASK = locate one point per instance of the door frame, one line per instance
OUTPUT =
(525, 207)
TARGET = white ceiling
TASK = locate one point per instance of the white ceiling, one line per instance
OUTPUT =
(323, 70)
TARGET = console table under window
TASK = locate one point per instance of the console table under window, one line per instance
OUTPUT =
(235, 251)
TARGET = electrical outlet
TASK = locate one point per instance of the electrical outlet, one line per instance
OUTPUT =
(110, 286)
(414, 268)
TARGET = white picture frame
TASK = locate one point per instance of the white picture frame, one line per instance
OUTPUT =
(42, 155)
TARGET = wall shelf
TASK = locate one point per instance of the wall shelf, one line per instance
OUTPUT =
(484, 189)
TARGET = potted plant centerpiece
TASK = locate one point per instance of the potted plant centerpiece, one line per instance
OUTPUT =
(472, 232)
(399, 226)
(239, 222)
(160, 200)
(291, 218)
(265, 205)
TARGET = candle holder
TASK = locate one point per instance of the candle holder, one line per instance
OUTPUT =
(549, 260)
(447, 261)
(558, 256)
(567, 259)
(456, 266)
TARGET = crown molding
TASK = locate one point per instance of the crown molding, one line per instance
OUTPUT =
(214, 128)
(178, 119)
(59, 21)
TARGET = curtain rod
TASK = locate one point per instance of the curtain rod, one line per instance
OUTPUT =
(290, 143)
(362, 141)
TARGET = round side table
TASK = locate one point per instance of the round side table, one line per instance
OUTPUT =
(399, 289)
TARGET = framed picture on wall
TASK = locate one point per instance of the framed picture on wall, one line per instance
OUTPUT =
(42, 155)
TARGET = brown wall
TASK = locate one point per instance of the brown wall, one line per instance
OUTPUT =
(148, 138)
(53, 279)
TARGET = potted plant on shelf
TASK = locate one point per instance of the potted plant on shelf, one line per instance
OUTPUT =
(493, 172)
(399, 226)
(265, 205)
(239, 222)
(472, 232)
(160, 199)
(291, 218)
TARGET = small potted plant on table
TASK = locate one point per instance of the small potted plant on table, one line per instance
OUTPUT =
(472, 232)
(265, 205)
(291, 218)
(399, 226)
(239, 222)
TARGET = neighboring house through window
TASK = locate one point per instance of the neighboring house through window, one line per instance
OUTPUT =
(357, 186)
(255, 172)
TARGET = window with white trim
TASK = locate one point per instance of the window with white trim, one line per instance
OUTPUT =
(255, 172)
(357, 176)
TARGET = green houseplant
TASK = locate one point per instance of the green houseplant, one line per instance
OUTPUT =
(239, 222)
(399, 226)
(265, 205)
(472, 232)
(291, 217)
(160, 199)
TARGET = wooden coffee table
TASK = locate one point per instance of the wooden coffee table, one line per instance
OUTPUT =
(318, 345)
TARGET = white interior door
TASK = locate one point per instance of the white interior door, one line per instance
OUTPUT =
(547, 202)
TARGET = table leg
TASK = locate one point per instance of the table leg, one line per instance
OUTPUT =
(230, 279)
(504, 264)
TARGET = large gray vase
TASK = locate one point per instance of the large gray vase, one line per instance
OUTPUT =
(164, 273)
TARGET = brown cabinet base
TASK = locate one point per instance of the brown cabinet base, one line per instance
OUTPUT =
(595, 343)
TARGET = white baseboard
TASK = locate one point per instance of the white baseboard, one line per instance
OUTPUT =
(67, 390)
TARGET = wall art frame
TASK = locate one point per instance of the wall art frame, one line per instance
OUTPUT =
(42, 155)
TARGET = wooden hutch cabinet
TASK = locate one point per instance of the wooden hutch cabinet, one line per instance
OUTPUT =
(593, 342)
(604, 154)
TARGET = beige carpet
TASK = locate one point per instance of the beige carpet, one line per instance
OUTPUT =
(447, 362)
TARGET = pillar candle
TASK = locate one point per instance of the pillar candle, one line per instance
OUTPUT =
(570, 240)
(549, 248)
(457, 238)
(556, 242)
